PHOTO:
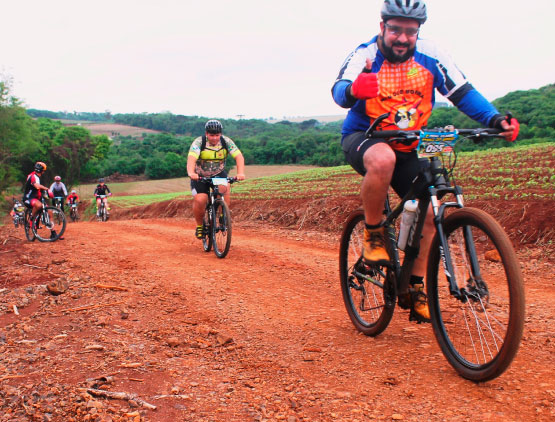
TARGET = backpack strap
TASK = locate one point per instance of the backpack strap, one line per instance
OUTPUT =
(222, 140)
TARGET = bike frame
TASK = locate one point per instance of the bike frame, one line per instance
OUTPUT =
(212, 205)
(102, 207)
(429, 187)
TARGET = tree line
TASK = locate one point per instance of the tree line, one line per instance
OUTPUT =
(72, 152)
(69, 151)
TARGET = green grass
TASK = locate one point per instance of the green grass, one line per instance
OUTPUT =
(138, 200)
(474, 171)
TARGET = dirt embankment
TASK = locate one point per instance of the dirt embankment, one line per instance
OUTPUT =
(529, 224)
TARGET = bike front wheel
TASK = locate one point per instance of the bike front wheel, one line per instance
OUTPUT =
(479, 332)
(49, 224)
(368, 292)
(221, 229)
(207, 229)
(74, 215)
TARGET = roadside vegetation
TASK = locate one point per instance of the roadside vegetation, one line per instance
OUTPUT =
(29, 135)
(523, 172)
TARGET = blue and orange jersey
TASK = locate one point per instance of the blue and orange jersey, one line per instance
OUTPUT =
(407, 90)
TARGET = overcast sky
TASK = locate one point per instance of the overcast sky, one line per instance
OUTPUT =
(257, 58)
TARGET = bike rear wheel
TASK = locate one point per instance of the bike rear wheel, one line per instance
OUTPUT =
(207, 229)
(49, 224)
(221, 229)
(479, 333)
(27, 225)
(368, 292)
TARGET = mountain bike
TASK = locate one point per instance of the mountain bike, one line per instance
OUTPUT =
(58, 203)
(58, 200)
(102, 213)
(474, 284)
(18, 213)
(48, 225)
(217, 218)
(73, 212)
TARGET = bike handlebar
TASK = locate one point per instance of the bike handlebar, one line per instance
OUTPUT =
(412, 135)
(209, 179)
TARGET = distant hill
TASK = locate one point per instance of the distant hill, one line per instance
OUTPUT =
(113, 130)
(300, 119)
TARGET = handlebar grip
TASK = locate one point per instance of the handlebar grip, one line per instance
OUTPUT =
(509, 117)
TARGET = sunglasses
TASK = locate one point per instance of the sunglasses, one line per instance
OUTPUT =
(397, 31)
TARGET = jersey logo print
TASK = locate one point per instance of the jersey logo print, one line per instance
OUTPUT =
(412, 73)
(407, 115)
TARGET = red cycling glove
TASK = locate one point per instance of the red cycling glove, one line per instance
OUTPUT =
(365, 86)
(514, 122)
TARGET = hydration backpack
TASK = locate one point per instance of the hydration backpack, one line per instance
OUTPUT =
(222, 140)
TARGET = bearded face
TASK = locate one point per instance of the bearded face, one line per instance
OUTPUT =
(397, 40)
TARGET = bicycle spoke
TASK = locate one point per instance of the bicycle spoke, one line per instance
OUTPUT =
(49, 224)
(365, 289)
(480, 330)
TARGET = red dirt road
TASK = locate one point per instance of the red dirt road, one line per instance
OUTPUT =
(261, 335)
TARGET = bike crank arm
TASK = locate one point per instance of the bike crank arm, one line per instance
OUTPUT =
(368, 278)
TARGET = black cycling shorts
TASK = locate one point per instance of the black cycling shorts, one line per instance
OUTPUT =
(407, 165)
(203, 187)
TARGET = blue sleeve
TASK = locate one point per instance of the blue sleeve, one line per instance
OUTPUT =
(340, 95)
(475, 106)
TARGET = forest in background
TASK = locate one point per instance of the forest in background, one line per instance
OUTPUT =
(30, 135)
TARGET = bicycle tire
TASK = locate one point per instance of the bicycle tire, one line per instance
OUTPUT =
(27, 226)
(370, 306)
(56, 224)
(74, 215)
(221, 229)
(207, 229)
(480, 334)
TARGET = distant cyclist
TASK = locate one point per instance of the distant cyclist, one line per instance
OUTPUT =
(396, 72)
(32, 193)
(59, 190)
(73, 198)
(207, 157)
(101, 189)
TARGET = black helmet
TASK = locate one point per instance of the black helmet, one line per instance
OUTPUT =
(410, 9)
(213, 127)
(40, 167)
(101, 180)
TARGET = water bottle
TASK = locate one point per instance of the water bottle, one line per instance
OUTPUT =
(407, 219)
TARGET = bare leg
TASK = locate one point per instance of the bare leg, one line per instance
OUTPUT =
(199, 205)
(428, 233)
(379, 161)
(37, 206)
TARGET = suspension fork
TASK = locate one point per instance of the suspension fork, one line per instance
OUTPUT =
(444, 251)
